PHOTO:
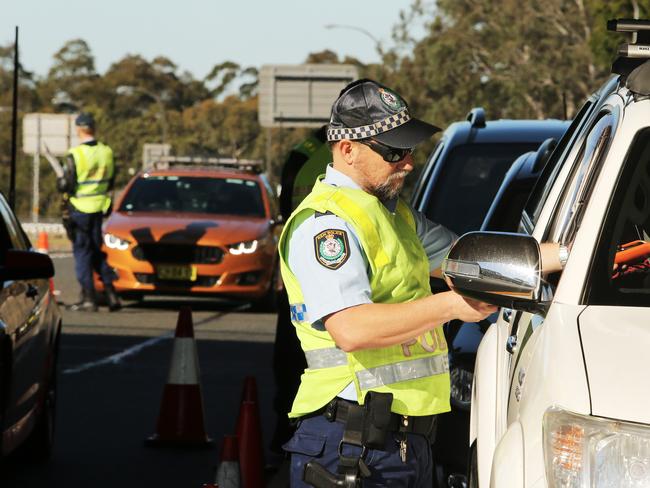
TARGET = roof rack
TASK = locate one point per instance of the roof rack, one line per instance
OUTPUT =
(251, 165)
(633, 54)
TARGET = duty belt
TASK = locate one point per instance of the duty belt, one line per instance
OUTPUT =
(337, 410)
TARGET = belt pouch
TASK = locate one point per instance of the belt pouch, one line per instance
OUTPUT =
(377, 419)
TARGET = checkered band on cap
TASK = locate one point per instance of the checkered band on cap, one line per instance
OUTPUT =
(389, 123)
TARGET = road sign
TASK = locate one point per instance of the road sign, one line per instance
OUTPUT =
(55, 130)
(300, 95)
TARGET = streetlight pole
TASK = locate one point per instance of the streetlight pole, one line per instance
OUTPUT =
(130, 90)
(362, 31)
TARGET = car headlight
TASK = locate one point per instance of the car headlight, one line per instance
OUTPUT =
(247, 247)
(114, 242)
(581, 450)
(461, 387)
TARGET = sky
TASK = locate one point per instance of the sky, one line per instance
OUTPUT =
(198, 34)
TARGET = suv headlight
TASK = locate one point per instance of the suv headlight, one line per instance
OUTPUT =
(581, 450)
(114, 242)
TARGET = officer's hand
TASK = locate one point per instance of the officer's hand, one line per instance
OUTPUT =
(469, 310)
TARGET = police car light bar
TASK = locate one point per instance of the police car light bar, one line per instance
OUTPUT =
(234, 163)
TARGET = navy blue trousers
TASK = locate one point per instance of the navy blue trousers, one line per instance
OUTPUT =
(86, 248)
(318, 439)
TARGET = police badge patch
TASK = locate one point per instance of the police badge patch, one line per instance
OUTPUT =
(332, 248)
(391, 100)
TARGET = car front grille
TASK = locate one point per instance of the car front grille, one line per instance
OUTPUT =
(178, 254)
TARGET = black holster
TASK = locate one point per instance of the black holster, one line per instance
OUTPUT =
(366, 427)
(66, 220)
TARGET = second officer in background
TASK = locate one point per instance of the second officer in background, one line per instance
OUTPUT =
(89, 175)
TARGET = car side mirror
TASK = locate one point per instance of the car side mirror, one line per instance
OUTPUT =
(499, 268)
(26, 265)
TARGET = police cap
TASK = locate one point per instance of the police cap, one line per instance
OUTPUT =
(85, 119)
(366, 109)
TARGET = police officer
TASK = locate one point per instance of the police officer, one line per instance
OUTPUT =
(89, 174)
(356, 261)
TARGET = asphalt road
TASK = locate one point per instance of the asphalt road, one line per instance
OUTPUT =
(112, 370)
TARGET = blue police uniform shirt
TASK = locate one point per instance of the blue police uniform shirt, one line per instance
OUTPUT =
(326, 290)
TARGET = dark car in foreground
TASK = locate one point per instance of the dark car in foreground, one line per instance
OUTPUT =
(30, 326)
(479, 176)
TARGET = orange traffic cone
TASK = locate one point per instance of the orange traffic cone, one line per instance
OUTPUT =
(43, 244)
(180, 422)
(251, 455)
(249, 392)
(228, 470)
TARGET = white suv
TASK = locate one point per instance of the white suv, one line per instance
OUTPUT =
(561, 392)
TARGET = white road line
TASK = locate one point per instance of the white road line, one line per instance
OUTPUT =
(117, 358)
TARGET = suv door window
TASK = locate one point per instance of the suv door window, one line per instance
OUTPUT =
(621, 266)
(568, 214)
(549, 173)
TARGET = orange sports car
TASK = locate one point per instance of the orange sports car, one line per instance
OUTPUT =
(198, 230)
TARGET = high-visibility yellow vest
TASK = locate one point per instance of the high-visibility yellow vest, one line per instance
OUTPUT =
(417, 372)
(95, 168)
(318, 157)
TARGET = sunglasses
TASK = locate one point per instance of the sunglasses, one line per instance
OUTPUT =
(389, 153)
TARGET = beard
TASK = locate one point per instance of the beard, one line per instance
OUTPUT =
(390, 188)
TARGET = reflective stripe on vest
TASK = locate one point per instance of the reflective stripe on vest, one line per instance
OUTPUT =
(387, 374)
(403, 371)
(328, 357)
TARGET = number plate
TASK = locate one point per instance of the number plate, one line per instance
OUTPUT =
(178, 273)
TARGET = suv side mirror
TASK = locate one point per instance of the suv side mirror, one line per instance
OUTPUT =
(26, 265)
(498, 268)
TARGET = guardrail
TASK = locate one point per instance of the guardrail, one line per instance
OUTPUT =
(33, 228)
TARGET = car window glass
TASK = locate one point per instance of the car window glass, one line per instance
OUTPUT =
(621, 267)
(207, 195)
(568, 214)
(468, 183)
(549, 173)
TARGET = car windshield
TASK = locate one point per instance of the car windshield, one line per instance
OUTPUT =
(208, 195)
(469, 182)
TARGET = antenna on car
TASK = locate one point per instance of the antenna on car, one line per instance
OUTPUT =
(253, 165)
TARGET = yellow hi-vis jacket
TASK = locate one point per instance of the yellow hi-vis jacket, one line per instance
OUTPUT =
(95, 168)
(416, 372)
